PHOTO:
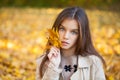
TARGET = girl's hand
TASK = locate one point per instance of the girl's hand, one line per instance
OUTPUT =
(54, 56)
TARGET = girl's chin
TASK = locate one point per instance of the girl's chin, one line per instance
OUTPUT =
(65, 47)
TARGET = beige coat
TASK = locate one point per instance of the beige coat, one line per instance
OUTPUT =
(89, 68)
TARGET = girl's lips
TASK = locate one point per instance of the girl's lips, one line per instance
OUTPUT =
(64, 43)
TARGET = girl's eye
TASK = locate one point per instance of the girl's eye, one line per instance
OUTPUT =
(74, 32)
(61, 29)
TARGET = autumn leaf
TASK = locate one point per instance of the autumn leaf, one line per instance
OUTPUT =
(53, 38)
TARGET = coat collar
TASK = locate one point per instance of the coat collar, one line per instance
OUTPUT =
(84, 61)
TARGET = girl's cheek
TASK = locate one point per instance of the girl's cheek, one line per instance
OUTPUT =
(60, 34)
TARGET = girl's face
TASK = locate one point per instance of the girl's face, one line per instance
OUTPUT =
(68, 33)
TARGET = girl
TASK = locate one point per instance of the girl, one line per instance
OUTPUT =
(77, 58)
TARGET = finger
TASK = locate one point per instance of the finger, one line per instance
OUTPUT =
(54, 51)
(57, 51)
(50, 55)
(55, 54)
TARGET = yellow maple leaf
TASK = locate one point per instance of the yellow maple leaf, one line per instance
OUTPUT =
(53, 38)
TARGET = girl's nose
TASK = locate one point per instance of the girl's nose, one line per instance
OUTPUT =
(66, 35)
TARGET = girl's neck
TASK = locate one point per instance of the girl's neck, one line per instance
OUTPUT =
(68, 53)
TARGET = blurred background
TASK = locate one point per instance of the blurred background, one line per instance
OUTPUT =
(22, 33)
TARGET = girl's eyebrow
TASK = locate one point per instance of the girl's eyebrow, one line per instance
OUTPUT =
(61, 25)
(64, 27)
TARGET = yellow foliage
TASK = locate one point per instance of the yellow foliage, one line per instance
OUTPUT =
(23, 39)
(111, 78)
(53, 38)
(117, 48)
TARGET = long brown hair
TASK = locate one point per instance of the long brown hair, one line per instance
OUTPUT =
(84, 42)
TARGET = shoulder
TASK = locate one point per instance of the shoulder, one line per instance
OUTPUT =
(95, 59)
(87, 61)
(96, 62)
(97, 67)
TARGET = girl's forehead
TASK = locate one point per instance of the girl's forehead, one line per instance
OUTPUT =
(70, 24)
